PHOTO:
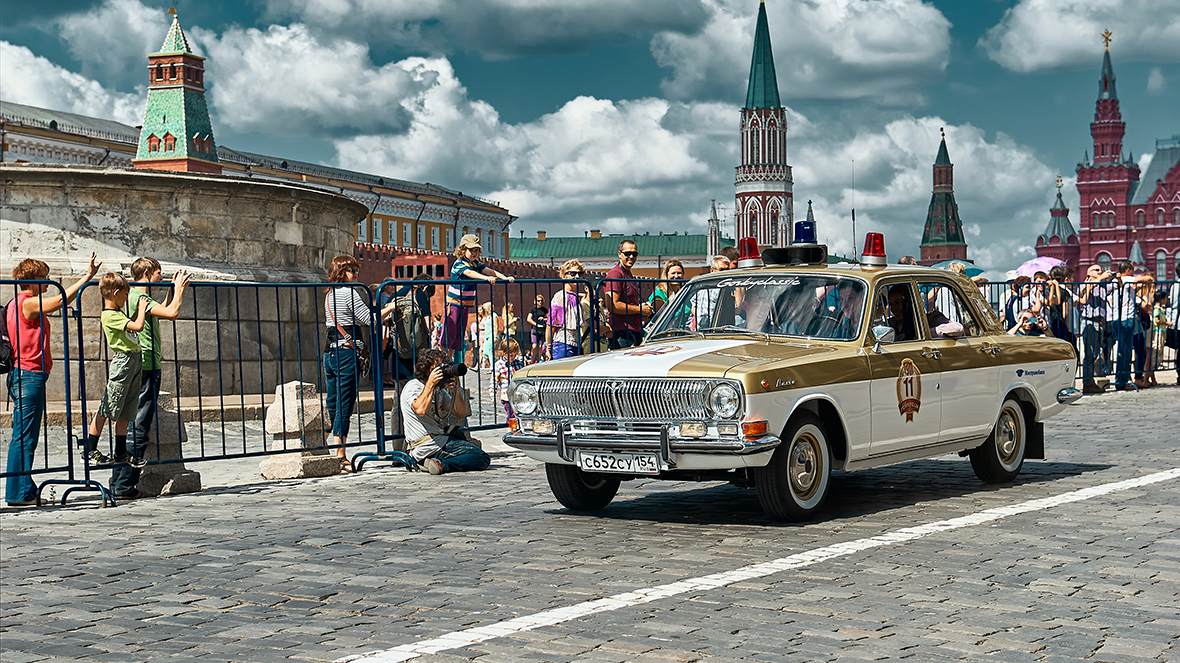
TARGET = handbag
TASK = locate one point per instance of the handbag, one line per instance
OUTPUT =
(364, 365)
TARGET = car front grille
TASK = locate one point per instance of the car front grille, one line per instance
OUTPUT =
(652, 399)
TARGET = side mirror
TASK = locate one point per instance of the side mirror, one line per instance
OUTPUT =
(883, 334)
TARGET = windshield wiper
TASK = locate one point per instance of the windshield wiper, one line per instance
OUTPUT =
(674, 330)
(734, 329)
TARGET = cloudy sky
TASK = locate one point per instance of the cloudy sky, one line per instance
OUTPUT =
(622, 114)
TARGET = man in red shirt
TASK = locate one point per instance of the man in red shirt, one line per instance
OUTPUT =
(623, 299)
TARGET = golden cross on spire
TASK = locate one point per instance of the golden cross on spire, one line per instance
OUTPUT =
(942, 130)
(1106, 38)
(1059, 183)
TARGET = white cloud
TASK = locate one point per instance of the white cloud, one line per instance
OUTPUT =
(35, 81)
(884, 50)
(284, 80)
(1156, 83)
(493, 28)
(1043, 34)
(112, 40)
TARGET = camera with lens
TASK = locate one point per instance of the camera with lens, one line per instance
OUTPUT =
(453, 370)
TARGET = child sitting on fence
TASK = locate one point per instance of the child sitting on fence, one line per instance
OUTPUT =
(508, 361)
(121, 398)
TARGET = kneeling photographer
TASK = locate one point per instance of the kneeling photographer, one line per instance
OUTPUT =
(433, 404)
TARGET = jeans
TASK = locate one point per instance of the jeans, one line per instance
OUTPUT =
(1124, 330)
(561, 350)
(1092, 350)
(461, 456)
(27, 391)
(123, 477)
(340, 383)
(1140, 344)
(625, 338)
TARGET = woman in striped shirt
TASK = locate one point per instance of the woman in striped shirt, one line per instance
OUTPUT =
(466, 271)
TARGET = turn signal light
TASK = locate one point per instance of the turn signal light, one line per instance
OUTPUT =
(513, 425)
(755, 428)
(748, 253)
(874, 253)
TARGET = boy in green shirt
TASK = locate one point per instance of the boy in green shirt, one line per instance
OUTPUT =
(147, 270)
(123, 376)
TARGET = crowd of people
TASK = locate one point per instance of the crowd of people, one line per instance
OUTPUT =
(1120, 323)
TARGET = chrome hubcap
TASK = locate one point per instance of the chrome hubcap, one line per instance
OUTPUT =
(1007, 437)
(803, 466)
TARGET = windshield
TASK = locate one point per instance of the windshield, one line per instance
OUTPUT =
(818, 307)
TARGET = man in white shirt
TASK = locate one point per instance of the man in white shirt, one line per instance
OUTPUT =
(430, 404)
(1124, 326)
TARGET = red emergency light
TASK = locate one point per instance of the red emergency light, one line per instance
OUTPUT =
(874, 253)
(748, 253)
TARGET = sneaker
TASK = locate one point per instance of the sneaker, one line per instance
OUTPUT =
(433, 466)
(133, 461)
(98, 459)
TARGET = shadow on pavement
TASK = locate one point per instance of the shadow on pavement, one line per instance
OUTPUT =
(850, 495)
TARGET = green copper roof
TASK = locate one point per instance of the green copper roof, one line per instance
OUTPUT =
(1106, 81)
(175, 42)
(763, 89)
(564, 248)
(943, 225)
(180, 112)
(943, 158)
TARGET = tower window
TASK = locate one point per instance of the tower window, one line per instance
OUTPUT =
(169, 142)
(1139, 218)
(172, 72)
(1159, 216)
(1161, 265)
(159, 72)
(153, 143)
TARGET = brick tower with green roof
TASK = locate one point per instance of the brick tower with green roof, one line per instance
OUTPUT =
(764, 186)
(943, 238)
(177, 134)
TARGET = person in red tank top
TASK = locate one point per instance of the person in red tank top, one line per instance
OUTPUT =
(29, 329)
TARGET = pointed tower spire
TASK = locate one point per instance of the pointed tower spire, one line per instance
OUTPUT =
(713, 241)
(942, 238)
(1106, 80)
(764, 207)
(762, 91)
(810, 214)
(177, 133)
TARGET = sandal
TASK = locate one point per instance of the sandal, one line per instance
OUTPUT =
(346, 465)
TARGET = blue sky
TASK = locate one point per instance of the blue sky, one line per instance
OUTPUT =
(622, 115)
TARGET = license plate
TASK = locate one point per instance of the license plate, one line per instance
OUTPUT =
(616, 462)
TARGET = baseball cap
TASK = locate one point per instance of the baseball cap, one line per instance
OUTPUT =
(470, 242)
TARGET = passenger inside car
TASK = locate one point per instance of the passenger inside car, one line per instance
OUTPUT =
(898, 312)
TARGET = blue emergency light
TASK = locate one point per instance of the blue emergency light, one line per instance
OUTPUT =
(805, 232)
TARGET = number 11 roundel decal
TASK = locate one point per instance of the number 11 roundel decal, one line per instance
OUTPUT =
(909, 389)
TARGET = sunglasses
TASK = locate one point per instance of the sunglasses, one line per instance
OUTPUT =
(629, 254)
(573, 274)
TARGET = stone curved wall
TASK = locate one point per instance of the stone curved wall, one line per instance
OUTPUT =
(230, 339)
(222, 228)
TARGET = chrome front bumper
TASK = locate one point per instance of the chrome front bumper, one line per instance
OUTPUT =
(1068, 396)
(564, 445)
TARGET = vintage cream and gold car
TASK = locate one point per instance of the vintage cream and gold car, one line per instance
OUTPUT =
(774, 376)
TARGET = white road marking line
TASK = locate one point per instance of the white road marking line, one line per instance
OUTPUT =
(471, 636)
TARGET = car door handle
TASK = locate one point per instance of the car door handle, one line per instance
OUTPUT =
(991, 349)
(929, 352)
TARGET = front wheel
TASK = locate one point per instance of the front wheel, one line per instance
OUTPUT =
(794, 484)
(578, 490)
(1000, 458)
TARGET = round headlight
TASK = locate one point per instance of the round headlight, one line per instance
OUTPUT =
(523, 397)
(724, 400)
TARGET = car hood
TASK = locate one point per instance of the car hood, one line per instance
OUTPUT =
(697, 358)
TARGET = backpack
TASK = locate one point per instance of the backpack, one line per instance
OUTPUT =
(7, 355)
(409, 330)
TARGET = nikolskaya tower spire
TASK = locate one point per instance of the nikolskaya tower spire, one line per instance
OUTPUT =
(763, 182)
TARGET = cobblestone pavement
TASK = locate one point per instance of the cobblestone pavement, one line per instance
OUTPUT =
(322, 569)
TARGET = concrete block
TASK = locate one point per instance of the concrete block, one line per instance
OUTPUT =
(298, 466)
(297, 411)
(164, 443)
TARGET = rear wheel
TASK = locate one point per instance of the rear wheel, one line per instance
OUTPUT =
(794, 484)
(1000, 458)
(578, 490)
